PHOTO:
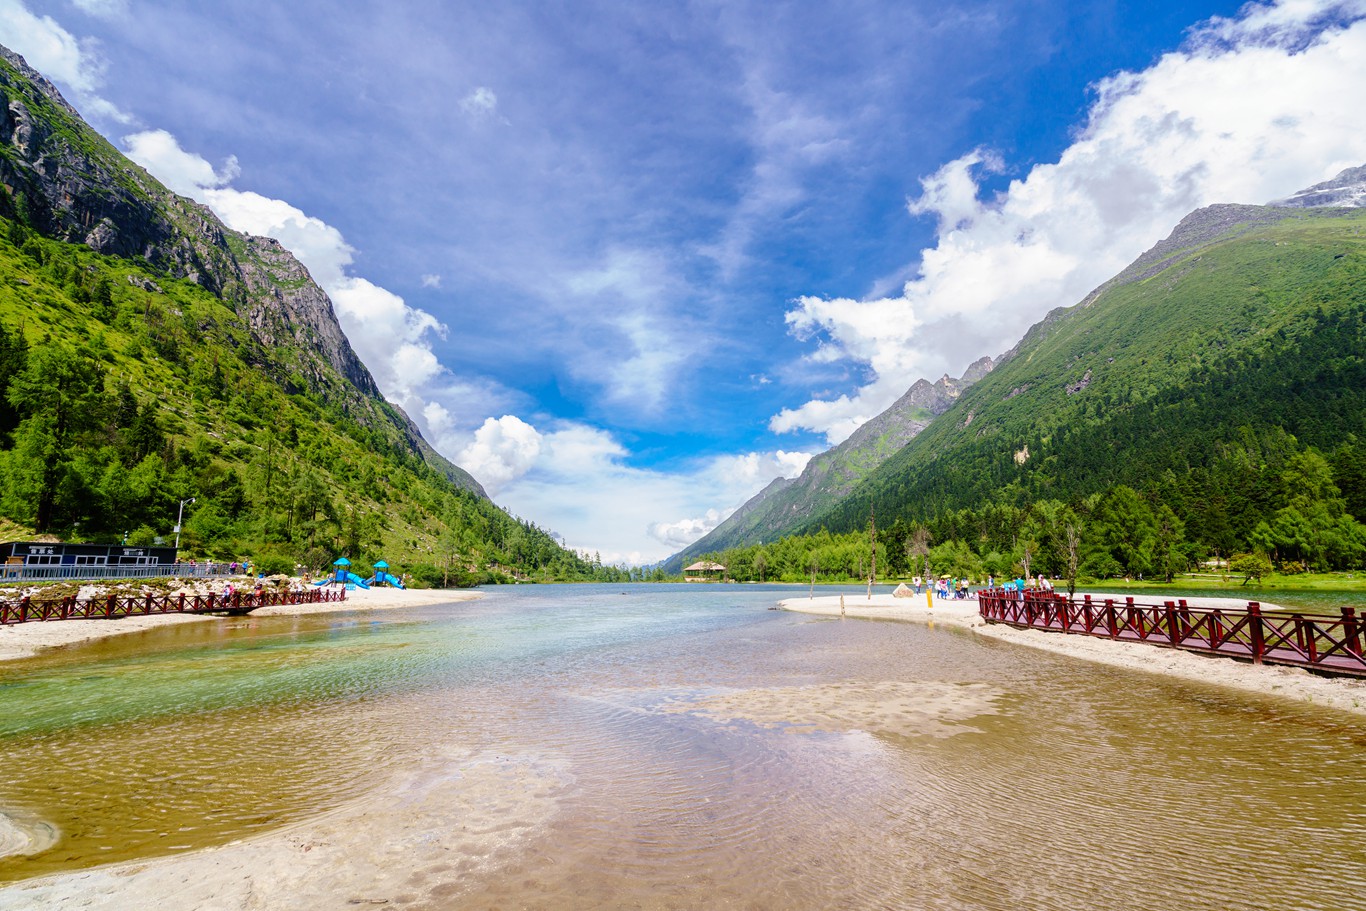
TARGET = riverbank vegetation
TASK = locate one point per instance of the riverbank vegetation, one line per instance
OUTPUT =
(1265, 508)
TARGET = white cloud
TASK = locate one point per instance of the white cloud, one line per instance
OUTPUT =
(431, 280)
(575, 478)
(60, 56)
(481, 105)
(103, 9)
(1250, 109)
(630, 305)
(503, 450)
(181, 171)
(680, 534)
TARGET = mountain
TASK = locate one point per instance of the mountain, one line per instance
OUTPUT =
(70, 184)
(788, 503)
(1237, 336)
(149, 355)
(1347, 190)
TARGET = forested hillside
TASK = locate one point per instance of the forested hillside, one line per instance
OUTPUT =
(150, 356)
(1211, 400)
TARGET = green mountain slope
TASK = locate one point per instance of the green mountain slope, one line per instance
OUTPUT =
(148, 354)
(831, 475)
(1175, 378)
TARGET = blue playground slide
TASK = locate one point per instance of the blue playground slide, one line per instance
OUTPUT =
(382, 578)
(351, 579)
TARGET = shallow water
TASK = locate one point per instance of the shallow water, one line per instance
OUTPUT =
(710, 753)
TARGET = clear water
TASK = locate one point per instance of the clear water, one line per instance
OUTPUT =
(1083, 787)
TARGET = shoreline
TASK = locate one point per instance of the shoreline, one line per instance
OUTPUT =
(1346, 694)
(27, 640)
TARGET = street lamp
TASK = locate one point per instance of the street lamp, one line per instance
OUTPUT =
(178, 516)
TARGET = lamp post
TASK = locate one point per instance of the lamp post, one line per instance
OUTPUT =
(178, 516)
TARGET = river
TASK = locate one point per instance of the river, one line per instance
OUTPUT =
(685, 746)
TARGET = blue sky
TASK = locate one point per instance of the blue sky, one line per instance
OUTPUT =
(627, 263)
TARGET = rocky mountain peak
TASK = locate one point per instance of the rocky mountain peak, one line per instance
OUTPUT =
(1346, 190)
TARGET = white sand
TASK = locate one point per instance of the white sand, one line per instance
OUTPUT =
(23, 640)
(1347, 694)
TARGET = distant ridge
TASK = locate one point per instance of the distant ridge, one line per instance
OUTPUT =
(785, 503)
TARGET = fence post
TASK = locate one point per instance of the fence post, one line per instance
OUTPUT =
(23, 609)
(1254, 626)
(181, 608)
(109, 607)
(1111, 624)
(1351, 632)
(1173, 628)
(1135, 618)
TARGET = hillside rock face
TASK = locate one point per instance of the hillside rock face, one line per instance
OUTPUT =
(69, 183)
(76, 187)
(831, 475)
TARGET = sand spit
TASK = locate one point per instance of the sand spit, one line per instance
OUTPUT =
(419, 842)
(926, 708)
(1343, 693)
(23, 640)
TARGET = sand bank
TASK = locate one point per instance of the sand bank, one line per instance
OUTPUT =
(23, 640)
(420, 841)
(1297, 684)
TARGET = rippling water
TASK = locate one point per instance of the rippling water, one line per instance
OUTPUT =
(710, 753)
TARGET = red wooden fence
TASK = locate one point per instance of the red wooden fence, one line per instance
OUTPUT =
(1321, 642)
(112, 606)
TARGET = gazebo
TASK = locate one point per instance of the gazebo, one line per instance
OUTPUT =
(704, 571)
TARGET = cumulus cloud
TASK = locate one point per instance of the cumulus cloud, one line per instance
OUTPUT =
(680, 534)
(1251, 108)
(503, 450)
(577, 479)
(181, 171)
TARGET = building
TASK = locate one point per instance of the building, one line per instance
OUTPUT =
(704, 571)
(35, 553)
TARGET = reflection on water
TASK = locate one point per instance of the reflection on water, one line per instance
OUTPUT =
(714, 754)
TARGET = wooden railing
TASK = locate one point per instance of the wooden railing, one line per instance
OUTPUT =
(1320, 642)
(114, 606)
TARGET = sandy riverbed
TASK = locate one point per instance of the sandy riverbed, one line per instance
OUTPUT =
(1297, 684)
(23, 640)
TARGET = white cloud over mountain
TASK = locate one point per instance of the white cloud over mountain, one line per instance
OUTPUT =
(1250, 109)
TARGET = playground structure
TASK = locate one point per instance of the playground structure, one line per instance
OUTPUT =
(343, 576)
(382, 576)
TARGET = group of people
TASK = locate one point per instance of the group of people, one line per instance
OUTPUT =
(945, 588)
(950, 588)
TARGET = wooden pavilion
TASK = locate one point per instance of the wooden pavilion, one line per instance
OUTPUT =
(704, 571)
